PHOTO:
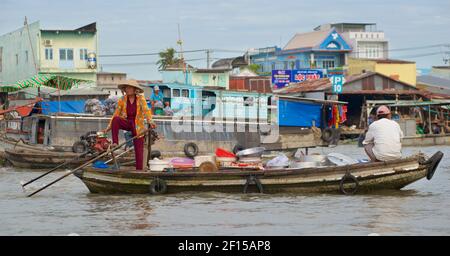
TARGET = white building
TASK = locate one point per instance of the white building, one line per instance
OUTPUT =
(366, 40)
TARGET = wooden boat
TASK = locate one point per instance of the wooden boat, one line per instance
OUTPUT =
(33, 159)
(346, 179)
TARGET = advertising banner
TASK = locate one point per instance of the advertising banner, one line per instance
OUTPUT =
(280, 78)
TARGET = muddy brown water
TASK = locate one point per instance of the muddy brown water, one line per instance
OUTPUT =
(422, 208)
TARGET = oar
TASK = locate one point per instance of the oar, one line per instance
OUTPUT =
(54, 169)
(119, 155)
(85, 164)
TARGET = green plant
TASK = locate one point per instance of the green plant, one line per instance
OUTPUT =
(167, 58)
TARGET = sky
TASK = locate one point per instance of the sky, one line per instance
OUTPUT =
(139, 26)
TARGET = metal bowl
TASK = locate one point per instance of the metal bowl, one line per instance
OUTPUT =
(251, 152)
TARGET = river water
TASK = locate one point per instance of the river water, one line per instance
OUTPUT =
(422, 208)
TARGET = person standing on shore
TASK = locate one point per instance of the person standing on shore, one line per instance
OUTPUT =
(383, 139)
(129, 115)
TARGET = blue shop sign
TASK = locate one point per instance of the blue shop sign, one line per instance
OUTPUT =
(280, 78)
(301, 75)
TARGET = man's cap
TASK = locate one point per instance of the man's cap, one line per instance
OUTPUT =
(383, 110)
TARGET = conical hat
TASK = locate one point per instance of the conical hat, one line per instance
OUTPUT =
(132, 83)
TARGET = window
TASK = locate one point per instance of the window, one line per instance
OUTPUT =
(26, 56)
(83, 54)
(285, 64)
(66, 54)
(17, 59)
(176, 93)
(49, 53)
(328, 64)
(185, 93)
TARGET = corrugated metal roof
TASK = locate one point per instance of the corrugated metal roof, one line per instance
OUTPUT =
(434, 81)
(307, 40)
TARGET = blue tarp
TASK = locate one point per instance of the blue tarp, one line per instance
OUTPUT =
(74, 106)
(66, 107)
(300, 114)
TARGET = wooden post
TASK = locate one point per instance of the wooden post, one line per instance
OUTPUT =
(149, 148)
(429, 120)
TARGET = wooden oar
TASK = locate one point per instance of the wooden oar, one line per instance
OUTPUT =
(86, 164)
(119, 155)
(54, 169)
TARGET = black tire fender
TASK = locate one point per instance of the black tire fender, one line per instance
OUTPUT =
(188, 147)
(253, 180)
(328, 134)
(352, 178)
(158, 186)
(80, 147)
(433, 163)
(155, 153)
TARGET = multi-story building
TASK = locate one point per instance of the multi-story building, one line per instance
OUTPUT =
(366, 40)
(317, 51)
(108, 82)
(32, 50)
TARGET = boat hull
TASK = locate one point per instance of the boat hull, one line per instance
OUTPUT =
(369, 176)
(31, 159)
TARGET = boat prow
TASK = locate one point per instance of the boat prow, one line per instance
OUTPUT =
(349, 179)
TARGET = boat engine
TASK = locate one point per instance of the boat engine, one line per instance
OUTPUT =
(92, 142)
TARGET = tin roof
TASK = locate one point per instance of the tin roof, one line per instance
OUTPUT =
(307, 40)
(324, 84)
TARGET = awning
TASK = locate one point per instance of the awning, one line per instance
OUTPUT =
(54, 81)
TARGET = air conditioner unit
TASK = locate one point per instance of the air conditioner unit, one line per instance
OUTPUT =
(48, 42)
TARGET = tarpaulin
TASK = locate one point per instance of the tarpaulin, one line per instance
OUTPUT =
(49, 107)
(300, 114)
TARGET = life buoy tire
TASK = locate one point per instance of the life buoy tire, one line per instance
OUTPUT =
(237, 148)
(158, 187)
(80, 147)
(328, 135)
(191, 149)
(433, 163)
(348, 176)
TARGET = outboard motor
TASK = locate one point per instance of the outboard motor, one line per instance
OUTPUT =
(92, 142)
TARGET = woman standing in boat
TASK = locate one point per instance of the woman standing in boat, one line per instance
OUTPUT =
(129, 116)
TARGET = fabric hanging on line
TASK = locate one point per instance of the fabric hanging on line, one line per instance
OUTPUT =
(343, 113)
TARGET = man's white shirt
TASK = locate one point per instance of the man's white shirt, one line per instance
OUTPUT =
(386, 136)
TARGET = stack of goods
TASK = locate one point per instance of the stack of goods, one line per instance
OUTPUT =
(225, 158)
(250, 158)
(182, 163)
(111, 105)
(94, 106)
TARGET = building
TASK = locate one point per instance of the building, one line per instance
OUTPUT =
(108, 82)
(441, 71)
(365, 39)
(434, 84)
(217, 77)
(324, 49)
(357, 90)
(31, 50)
(397, 69)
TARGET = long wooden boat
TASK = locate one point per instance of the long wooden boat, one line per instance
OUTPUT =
(361, 177)
(33, 159)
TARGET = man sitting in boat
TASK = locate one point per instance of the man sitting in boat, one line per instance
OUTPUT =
(383, 139)
(129, 116)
